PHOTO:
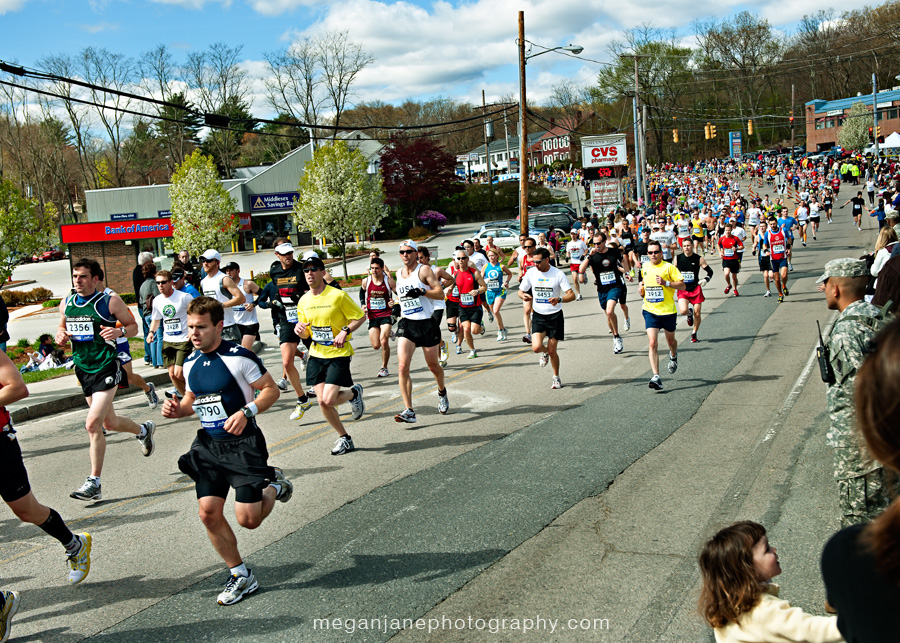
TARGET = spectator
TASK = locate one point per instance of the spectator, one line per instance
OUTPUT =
(137, 276)
(887, 288)
(148, 290)
(4, 322)
(191, 274)
(861, 564)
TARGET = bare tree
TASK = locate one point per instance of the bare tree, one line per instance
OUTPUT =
(295, 83)
(342, 60)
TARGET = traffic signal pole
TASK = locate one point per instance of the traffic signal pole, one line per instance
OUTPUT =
(875, 112)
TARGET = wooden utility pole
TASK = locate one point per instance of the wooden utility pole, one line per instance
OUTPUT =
(523, 133)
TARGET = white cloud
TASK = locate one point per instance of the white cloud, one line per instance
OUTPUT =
(193, 4)
(11, 5)
(100, 27)
(276, 7)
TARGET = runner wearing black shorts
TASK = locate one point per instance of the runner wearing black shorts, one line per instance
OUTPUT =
(229, 451)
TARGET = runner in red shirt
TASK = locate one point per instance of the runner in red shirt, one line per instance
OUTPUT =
(775, 241)
(729, 247)
(377, 300)
(470, 285)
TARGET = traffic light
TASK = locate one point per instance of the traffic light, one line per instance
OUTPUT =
(749, 127)
(674, 135)
(792, 120)
(712, 131)
(878, 131)
(871, 136)
(706, 131)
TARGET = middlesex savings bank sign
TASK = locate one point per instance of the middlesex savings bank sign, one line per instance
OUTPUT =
(106, 231)
(603, 151)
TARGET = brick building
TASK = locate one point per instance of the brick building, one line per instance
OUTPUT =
(825, 118)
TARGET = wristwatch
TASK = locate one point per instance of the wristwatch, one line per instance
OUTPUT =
(248, 412)
(346, 329)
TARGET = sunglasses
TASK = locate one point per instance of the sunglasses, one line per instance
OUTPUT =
(159, 283)
(207, 260)
(309, 270)
(654, 252)
(528, 246)
(407, 252)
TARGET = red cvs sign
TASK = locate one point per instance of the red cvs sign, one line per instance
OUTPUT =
(604, 152)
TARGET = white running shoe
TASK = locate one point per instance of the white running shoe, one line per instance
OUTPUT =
(505, 336)
(472, 354)
(499, 335)
(768, 294)
(236, 588)
(147, 442)
(304, 359)
(557, 383)
(459, 349)
(152, 398)
(673, 364)
(344, 444)
(300, 409)
(407, 416)
(287, 487)
(89, 491)
(627, 324)
(383, 372)
(618, 345)
(282, 384)
(490, 317)
(578, 297)
(7, 611)
(80, 561)
(443, 403)
(357, 404)
(545, 359)
(656, 383)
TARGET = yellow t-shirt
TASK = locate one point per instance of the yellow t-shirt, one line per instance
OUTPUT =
(327, 313)
(659, 299)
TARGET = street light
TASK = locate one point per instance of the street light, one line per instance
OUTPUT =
(523, 128)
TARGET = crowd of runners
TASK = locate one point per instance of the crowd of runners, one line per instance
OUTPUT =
(697, 221)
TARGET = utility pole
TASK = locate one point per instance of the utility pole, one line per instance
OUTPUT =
(638, 156)
(487, 154)
(792, 120)
(875, 113)
(644, 139)
(506, 133)
(523, 132)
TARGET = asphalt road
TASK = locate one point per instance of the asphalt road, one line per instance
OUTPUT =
(583, 502)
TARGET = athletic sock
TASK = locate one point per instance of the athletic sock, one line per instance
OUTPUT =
(95, 479)
(441, 393)
(303, 400)
(616, 336)
(55, 526)
(355, 392)
(143, 433)
(240, 570)
(276, 487)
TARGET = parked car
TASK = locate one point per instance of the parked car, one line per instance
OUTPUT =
(503, 237)
(511, 224)
(543, 220)
(48, 255)
(553, 208)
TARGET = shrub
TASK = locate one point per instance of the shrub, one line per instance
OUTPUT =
(418, 232)
(432, 219)
(51, 303)
(334, 250)
(262, 279)
(22, 297)
(129, 298)
(23, 343)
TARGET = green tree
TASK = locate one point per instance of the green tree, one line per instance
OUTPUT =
(202, 210)
(854, 134)
(24, 229)
(338, 197)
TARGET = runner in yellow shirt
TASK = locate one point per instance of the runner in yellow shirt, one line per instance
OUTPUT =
(659, 281)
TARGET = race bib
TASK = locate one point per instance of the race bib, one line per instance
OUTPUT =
(607, 278)
(654, 294)
(210, 293)
(728, 252)
(492, 284)
(411, 305)
(80, 328)
(645, 258)
(778, 248)
(211, 412)
(698, 232)
(455, 292)
(543, 295)
(377, 303)
(172, 326)
(467, 299)
(323, 335)
(688, 277)
(291, 314)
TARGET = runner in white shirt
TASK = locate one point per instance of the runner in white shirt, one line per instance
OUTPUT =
(244, 314)
(170, 310)
(803, 220)
(547, 288)
(576, 250)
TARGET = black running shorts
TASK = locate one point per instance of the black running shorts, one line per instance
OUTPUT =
(553, 326)
(333, 370)
(103, 380)
(240, 463)
(424, 333)
(474, 314)
(14, 480)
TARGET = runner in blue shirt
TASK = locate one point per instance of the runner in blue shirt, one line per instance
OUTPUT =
(787, 223)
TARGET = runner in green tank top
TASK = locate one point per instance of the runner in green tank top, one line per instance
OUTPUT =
(89, 320)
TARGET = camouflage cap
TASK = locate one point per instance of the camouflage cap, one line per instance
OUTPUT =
(844, 268)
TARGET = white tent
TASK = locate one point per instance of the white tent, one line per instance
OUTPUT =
(892, 141)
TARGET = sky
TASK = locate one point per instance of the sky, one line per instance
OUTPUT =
(422, 48)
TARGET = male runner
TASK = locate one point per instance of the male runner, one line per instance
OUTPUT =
(229, 450)
(729, 246)
(221, 287)
(244, 314)
(440, 305)
(170, 310)
(123, 354)
(417, 287)
(328, 316)
(857, 210)
(287, 275)
(765, 262)
(775, 245)
(576, 250)
(787, 223)
(89, 319)
(376, 294)
(549, 288)
(470, 287)
(608, 265)
(690, 300)
(527, 262)
(17, 494)
(478, 260)
(659, 281)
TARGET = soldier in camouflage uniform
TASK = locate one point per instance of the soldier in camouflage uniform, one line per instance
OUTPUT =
(863, 489)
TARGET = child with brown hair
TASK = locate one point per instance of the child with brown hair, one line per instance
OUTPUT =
(740, 602)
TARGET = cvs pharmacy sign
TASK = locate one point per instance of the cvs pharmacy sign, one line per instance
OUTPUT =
(603, 151)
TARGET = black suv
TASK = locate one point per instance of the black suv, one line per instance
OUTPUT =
(543, 220)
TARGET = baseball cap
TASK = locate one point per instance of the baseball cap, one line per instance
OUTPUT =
(284, 249)
(211, 254)
(309, 254)
(314, 261)
(412, 244)
(231, 265)
(847, 267)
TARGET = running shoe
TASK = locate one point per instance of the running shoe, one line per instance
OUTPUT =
(282, 384)
(147, 443)
(443, 402)
(393, 335)
(545, 359)
(301, 408)
(694, 339)
(310, 393)
(152, 397)
(499, 335)
(578, 297)
(505, 336)
(814, 237)
(304, 359)
(656, 383)
(804, 243)
(618, 345)
(727, 289)
(287, 487)
(490, 317)
(357, 404)
(383, 372)
(459, 349)
(736, 293)
(483, 330)
(673, 364)
(236, 588)
(472, 354)
(768, 294)
(627, 324)
(80, 561)
(526, 338)
(344, 444)
(557, 383)
(790, 267)
(444, 354)
(780, 298)
(173, 394)
(407, 415)
(9, 605)
(785, 291)
(690, 316)
(89, 491)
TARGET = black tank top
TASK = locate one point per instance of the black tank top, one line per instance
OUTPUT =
(689, 267)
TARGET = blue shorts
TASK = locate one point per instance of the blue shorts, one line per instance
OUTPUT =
(778, 264)
(665, 322)
(491, 295)
(124, 352)
(613, 294)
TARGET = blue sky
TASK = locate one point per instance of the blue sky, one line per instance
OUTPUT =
(422, 48)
